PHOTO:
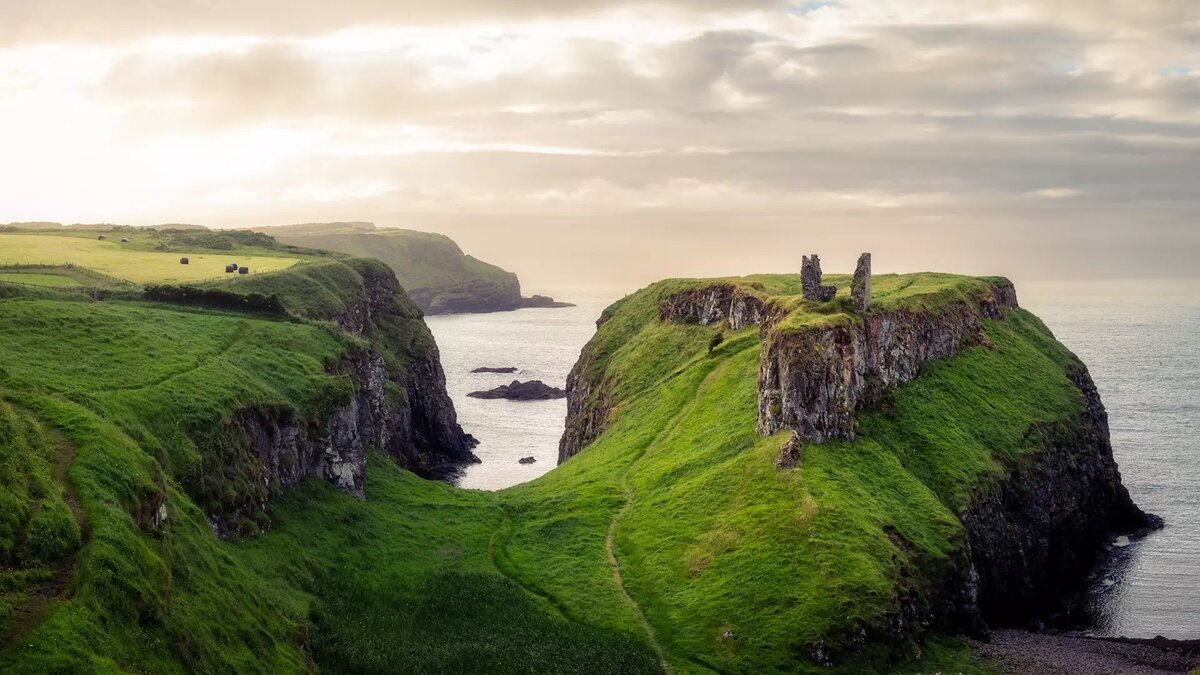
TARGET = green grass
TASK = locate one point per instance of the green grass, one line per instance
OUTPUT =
(39, 279)
(431, 267)
(739, 567)
(133, 263)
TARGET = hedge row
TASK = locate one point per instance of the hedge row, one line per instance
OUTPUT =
(216, 297)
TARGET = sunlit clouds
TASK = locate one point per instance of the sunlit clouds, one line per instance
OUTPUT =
(983, 129)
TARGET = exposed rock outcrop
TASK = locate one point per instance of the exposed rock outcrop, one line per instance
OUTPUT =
(588, 405)
(533, 390)
(791, 454)
(1035, 535)
(711, 304)
(1029, 534)
(487, 369)
(814, 379)
(397, 402)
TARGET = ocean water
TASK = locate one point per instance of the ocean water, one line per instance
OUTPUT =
(543, 344)
(1140, 339)
(1141, 342)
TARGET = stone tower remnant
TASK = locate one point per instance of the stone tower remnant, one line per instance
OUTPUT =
(810, 280)
(860, 288)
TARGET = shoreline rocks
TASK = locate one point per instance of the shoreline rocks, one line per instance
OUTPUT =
(533, 390)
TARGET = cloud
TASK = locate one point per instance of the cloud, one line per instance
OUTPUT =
(960, 122)
(1054, 193)
(107, 21)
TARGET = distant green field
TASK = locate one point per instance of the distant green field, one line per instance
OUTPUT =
(112, 258)
(39, 279)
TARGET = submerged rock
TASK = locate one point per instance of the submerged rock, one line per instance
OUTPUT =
(533, 390)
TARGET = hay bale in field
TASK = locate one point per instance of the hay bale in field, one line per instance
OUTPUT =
(183, 261)
(230, 268)
(124, 240)
(102, 237)
(243, 270)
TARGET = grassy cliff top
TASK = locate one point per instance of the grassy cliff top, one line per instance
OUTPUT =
(673, 536)
(421, 260)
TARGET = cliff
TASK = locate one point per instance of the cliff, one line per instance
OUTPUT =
(135, 428)
(945, 468)
(393, 393)
(434, 271)
(944, 383)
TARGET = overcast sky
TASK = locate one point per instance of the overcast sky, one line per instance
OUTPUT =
(580, 142)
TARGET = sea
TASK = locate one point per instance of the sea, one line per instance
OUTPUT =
(1139, 338)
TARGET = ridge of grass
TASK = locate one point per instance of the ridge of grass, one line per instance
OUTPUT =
(737, 566)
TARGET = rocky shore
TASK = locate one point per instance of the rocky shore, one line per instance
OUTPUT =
(1025, 653)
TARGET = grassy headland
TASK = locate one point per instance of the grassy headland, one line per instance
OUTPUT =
(672, 541)
(435, 272)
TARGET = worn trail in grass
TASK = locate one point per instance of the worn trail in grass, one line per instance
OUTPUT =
(672, 543)
(610, 548)
(43, 598)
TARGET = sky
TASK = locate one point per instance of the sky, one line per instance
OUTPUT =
(585, 142)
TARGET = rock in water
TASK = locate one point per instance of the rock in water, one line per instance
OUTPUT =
(527, 460)
(486, 369)
(542, 301)
(533, 390)
(810, 280)
(860, 288)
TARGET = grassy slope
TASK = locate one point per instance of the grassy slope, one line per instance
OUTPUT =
(740, 566)
(431, 267)
(137, 389)
(737, 566)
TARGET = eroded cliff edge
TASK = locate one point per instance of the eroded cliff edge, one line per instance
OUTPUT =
(1032, 528)
(388, 392)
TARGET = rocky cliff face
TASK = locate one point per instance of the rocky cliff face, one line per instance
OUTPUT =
(709, 305)
(500, 294)
(1030, 536)
(397, 402)
(812, 380)
(1034, 536)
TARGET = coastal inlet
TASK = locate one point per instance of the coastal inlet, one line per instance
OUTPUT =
(542, 344)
